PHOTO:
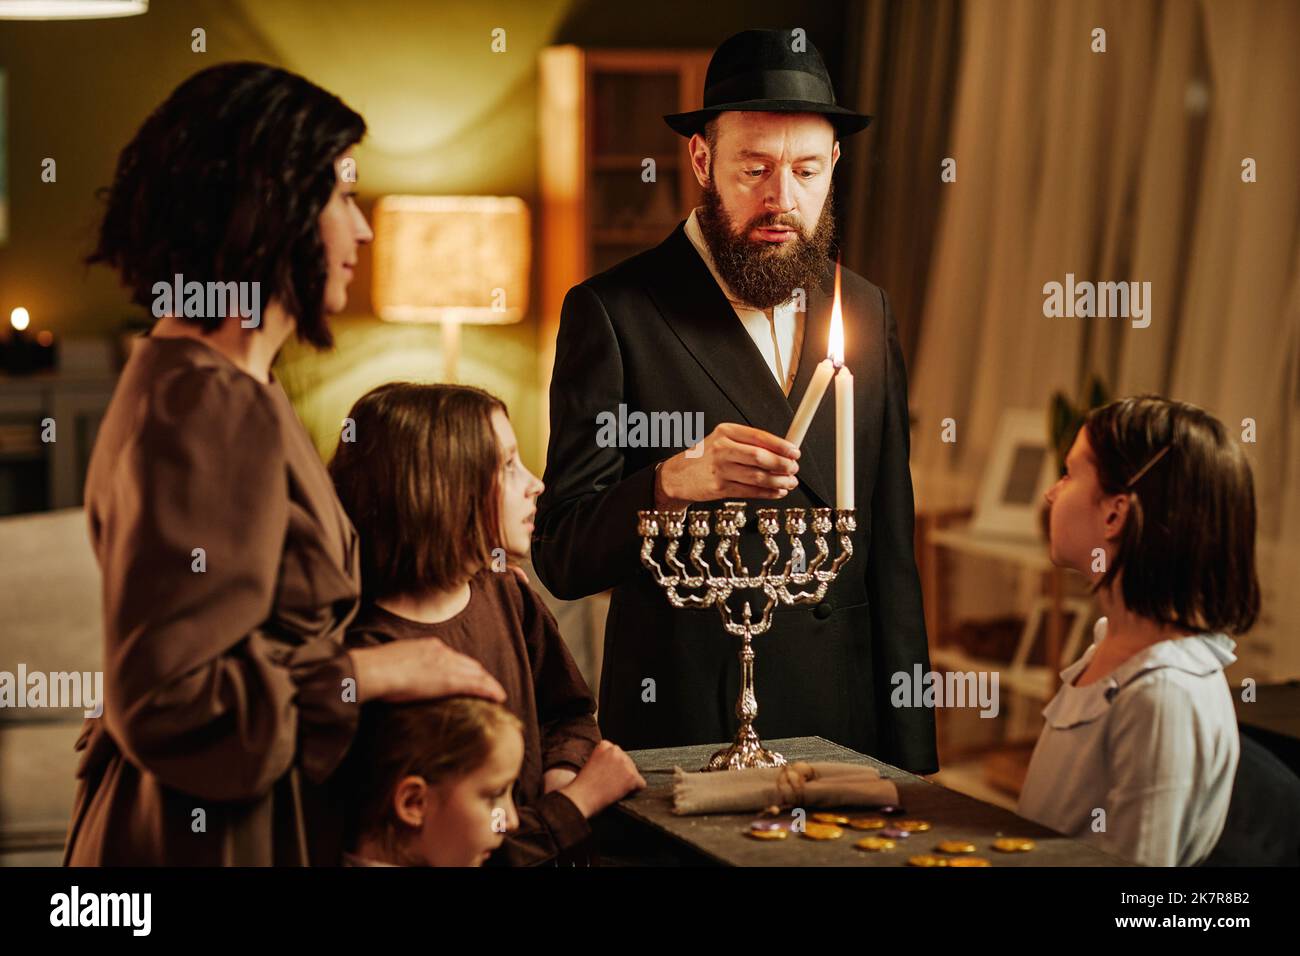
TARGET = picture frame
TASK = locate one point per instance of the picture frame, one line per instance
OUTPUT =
(1019, 471)
(1078, 617)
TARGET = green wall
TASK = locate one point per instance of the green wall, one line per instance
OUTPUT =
(446, 115)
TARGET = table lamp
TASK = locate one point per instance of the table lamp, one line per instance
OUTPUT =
(451, 259)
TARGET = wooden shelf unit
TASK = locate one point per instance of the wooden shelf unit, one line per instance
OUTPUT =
(600, 117)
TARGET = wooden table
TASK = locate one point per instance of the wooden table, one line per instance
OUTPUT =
(651, 833)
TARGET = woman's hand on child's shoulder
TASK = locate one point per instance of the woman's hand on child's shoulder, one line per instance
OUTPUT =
(420, 669)
(609, 776)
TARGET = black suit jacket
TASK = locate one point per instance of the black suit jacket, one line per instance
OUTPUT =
(656, 334)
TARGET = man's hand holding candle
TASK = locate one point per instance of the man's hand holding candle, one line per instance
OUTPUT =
(733, 461)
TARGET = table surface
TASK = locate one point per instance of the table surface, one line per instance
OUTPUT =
(954, 816)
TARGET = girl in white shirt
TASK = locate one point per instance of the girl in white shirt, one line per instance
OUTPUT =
(1140, 747)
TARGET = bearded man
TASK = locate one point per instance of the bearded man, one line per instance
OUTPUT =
(728, 318)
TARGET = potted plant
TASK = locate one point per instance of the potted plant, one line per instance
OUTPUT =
(1064, 419)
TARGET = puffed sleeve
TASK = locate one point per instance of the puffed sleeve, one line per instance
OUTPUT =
(190, 534)
(1151, 743)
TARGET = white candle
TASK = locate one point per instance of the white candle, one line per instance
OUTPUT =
(844, 439)
(812, 398)
(843, 405)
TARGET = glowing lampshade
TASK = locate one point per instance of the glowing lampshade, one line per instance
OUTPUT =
(451, 259)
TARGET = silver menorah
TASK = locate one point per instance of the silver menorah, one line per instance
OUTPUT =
(704, 588)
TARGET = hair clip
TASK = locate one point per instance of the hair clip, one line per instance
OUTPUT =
(1147, 467)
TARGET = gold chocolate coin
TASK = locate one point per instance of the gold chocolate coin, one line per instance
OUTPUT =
(867, 823)
(1013, 844)
(834, 819)
(956, 846)
(768, 834)
(927, 859)
(913, 826)
(969, 861)
(822, 831)
(875, 843)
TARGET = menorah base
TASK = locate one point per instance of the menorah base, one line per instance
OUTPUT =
(745, 753)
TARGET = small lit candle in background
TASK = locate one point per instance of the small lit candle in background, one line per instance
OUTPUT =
(843, 406)
(17, 350)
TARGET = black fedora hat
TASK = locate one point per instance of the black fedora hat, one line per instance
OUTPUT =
(760, 71)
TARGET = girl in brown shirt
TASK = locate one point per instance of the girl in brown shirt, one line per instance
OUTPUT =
(229, 568)
(434, 484)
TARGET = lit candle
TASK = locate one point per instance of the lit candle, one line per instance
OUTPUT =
(825, 370)
(843, 406)
(812, 398)
(16, 355)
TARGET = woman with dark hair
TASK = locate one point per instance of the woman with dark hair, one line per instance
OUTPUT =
(229, 568)
(1157, 508)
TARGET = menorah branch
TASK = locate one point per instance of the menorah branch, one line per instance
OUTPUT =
(708, 587)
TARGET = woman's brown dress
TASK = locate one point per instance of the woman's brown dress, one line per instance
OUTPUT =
(229, 573)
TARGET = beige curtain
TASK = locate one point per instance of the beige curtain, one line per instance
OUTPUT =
(1126, 166)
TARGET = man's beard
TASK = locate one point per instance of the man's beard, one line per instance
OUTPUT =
(764, 274)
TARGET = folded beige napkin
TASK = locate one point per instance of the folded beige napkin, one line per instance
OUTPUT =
(796, 785)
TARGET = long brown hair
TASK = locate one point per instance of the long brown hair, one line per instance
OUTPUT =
(1187, 550)
(419, 481)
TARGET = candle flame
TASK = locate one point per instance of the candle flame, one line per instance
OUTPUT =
(835, 351)
(19, 318)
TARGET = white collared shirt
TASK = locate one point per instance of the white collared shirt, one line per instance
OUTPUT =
(778, 332)
(1154, 745)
